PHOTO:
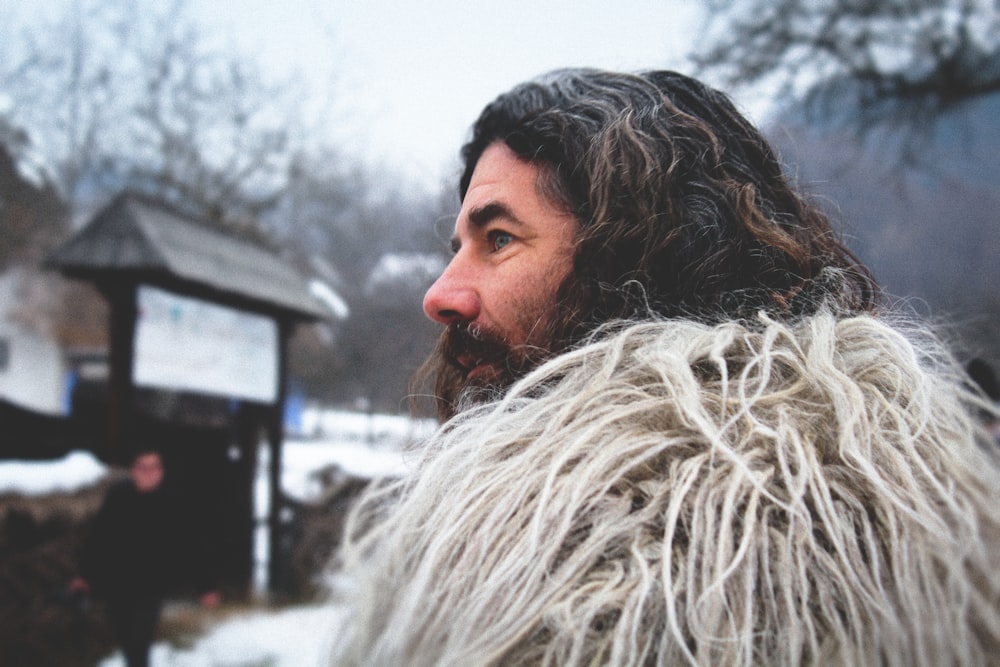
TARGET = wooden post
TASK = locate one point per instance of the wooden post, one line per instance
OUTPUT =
(275, 434)
(244, 517)
(121, 298)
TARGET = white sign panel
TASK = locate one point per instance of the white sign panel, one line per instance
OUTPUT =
(185, 344)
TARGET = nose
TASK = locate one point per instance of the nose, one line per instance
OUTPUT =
(453, 296)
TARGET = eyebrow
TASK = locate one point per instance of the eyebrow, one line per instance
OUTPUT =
(481, 216)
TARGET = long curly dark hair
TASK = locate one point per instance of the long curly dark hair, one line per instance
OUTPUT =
(683, 206)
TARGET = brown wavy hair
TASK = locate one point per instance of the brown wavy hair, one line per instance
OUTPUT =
(683, 206)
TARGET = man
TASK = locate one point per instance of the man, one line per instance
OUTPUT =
(679, 429)
(132, 555)
(679, 208)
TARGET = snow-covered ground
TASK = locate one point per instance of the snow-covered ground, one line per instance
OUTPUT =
(74, 471)
(361, 444)
(292, 637)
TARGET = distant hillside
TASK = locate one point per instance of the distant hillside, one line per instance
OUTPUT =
(922, 210)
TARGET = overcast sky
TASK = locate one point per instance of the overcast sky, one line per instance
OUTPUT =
(411, 77)
(399, 82)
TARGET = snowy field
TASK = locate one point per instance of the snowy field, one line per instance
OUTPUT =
(361, 444)
(292, 637)
(364, 445)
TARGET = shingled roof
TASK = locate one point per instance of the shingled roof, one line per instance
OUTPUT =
(134, 239)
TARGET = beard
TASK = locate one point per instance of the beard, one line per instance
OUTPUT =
(485, 357)
(474, 365)
(552, 324)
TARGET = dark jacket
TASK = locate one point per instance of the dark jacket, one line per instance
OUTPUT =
(134, 544)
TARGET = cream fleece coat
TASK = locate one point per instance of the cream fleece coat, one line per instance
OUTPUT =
(675, 493)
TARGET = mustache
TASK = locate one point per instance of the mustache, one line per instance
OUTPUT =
(479, 343)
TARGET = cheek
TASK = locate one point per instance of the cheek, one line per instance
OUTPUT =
(537, 299)
(522, 294)
(150, 479)
(552, 276)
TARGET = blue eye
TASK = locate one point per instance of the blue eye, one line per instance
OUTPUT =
(499, 240)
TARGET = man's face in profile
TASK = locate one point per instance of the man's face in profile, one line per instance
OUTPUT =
(512, 249)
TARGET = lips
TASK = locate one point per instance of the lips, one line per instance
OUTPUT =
(479, 354)
(468, 363)
(478, 369)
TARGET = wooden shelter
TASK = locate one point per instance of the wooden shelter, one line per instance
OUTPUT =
(133, 246)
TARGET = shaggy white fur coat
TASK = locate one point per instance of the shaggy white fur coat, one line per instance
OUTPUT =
(676, 493)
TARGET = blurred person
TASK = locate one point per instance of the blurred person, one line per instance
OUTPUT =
(679, 427)
(132, 555)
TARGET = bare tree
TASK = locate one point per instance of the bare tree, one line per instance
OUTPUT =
(32, 216)
(903, 61)
(61, 90)
(353, 214)
(124, 94)
(381, 240)
(218, 137)
(889, 115)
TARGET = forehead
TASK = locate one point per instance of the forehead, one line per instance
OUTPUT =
(501, 166)
(147, 459)
(503, 180)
